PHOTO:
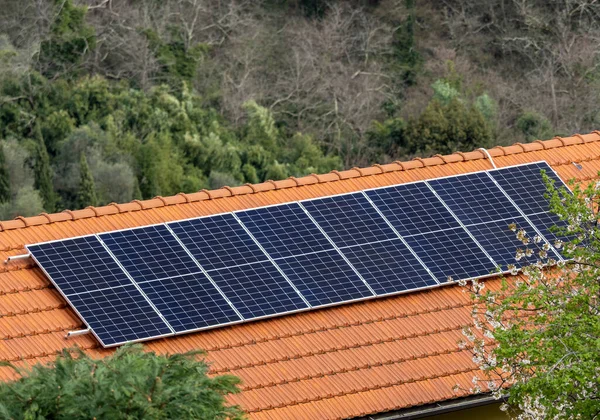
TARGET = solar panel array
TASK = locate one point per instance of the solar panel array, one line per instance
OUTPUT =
(184, 276)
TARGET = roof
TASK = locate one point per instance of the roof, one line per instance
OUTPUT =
(345, 361)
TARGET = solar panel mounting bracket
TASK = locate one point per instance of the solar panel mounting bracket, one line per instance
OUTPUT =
(17, 257)
(78, 332)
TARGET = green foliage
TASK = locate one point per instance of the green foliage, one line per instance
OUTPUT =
(447, 128)
(56, 127)
(86, 195)
(260, 129)
(546, 323)
(4, 177)
(444, 92)
(178, 62)
(487, 107)
(26, 201)
(70, 39)
(43, 173)
(130, 384)
(407, 59)
(534, 126)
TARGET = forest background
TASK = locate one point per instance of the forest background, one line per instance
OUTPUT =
(112, 100)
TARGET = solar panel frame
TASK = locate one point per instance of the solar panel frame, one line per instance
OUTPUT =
(365, 191)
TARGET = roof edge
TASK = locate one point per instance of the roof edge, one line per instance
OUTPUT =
(21, 222)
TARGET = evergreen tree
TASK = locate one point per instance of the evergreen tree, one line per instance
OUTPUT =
(43, 173)
(130, 384)
(408, 58)
(4, 178)
(86, 196)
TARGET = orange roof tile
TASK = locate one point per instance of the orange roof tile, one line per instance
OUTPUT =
(345, 361)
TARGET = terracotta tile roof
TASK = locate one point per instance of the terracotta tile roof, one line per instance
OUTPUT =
(346, 361)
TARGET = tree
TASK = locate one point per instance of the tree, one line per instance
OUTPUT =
(4, 177)
(129, 384)
(69, 40)
(86, 196)
(546, 322)
(407, 58)
(43, 172)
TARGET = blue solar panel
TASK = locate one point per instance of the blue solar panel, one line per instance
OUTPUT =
(324, 278)
(388, 266)
(412, 208)
(349, 219)
(257, 289)
(284, 230)
(189, 302)
(119, 315)
(502, 245)
(210, 271)
(218, 241)
(525, 186)
(451, 253)
(150, 253)
(79, 265)
(474, 198)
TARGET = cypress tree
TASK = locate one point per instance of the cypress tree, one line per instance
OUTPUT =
(43, 173)
(86, 196)
(4, 178)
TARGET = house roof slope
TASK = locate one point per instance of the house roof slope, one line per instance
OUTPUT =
(345, 361)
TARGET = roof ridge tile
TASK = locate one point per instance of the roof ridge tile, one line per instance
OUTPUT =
(417, 162)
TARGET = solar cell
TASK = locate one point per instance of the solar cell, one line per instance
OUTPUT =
(79, 265)
(189, 302)
(501, 243)
(412, 208)
(149, 253)
(525, 186)
(324, 278)
(218, 241)
(474, 198)
(257, 289)
(388, 266)
(118, 315)
(545, 223)
(284, 230)
(349, 219)
(451, 253)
